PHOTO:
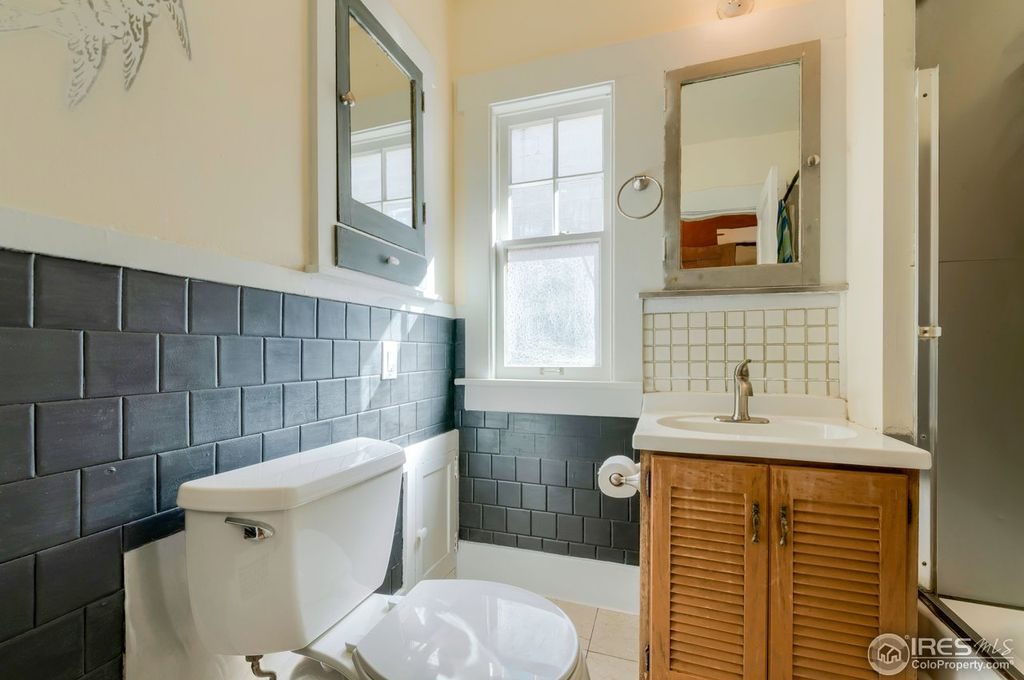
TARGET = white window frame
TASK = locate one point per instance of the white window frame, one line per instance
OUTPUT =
(504, 117)
(380, 140)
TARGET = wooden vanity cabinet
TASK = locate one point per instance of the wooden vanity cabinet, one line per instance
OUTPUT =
(753, 570)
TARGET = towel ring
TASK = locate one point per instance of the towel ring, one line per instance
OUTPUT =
(639, 183)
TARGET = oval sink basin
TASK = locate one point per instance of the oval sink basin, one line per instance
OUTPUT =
(780, 428)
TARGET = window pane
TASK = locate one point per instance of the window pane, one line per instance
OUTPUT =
(400, 210)
(581, 204)
(531, 152)
(366, 178)
(580, 145)
(551, 312)
(399, 172)
(531, 211)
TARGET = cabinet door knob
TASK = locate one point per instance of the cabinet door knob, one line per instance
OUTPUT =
(783, 525)
(755, 522)
(392, 260)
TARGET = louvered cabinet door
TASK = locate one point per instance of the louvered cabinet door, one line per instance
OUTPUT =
(708, 570)
(839, 570)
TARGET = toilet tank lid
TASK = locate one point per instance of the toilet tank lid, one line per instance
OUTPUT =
(294, 480)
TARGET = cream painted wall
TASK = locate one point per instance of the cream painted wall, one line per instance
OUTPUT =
(213, 153)
(489, 34)
(740, 161)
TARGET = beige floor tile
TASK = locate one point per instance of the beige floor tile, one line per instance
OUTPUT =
(582, 616)
(584, 645)
(603, 667)
(616, 634)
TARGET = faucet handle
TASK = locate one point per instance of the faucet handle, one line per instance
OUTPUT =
(742, 370)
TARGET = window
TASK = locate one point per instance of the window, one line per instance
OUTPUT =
(553, 197)
(381, 170)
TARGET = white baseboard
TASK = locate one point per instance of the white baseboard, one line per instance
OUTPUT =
(599, 584)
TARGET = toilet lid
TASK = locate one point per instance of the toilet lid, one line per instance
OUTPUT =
(470, 630)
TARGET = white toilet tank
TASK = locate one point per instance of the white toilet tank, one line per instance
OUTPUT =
(280, 551)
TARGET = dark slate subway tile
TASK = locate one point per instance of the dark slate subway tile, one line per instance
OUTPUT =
(552, 472)
(299, 403)
(357, 321)
(534, 497)
(16, 283)
(357, 394)
(556, 547)
(487, 441)
(118, 364)
(610, 555)
(485, 491)
(380, 392)
(580, 550)
(72, 575)
(261, 312)
(618, 427)
(188, 362)
(155, 423)
(80, 295)
(473, 419)
(493, 518)
(626, 536)
(580, 474)
(174, 468)
(599, 448)
(343, 429)
(570, 528)
(557, 446)
(104, 630)
(54, 651)
(74, 434)
(238, 453)
(587, 502)
(470, 515)
(633, 558)
(153, 528)
(597, 531)
(39, 365)
(479, 465)
(530, 543)
(578, 426)
(543, 524)
(479, 535)
(380, 323)
(406, 357)
(315, 435)
(280, 443)
(507, 540)
(330, 399)
(528, 470)
(154, 303)
(518, 521)
(240, 361)
(216, 415)
(634, 508)
(213, 308)
(330, 319)
(517, 443)
(467, 439)
(38, 513)
(283, 360)
(17, 587)
(510, 494)
(346, 358)
(503, 467)
(407, 418)
(17, 454)
(615, 508)
(109, 671)
(118, 493)
(496, 420)
(262, 408)
(390, 423)
(424, 360)
(414, 328)
(560, 500)
(317, 359)
(369, 424)
(369, 358)
(299, 316)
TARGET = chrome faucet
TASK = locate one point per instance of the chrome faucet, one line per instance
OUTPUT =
(742, 391)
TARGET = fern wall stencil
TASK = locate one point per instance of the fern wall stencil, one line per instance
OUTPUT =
(90, 27)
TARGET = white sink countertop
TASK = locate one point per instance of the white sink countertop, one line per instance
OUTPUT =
(800, 428)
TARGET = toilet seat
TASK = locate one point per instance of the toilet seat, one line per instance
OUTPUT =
(459, 630)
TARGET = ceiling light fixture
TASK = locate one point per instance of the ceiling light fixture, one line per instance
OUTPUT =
(728, 9)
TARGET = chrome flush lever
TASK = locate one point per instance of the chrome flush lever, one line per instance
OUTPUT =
(252, 530)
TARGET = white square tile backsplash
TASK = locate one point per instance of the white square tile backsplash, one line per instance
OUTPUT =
(793, 344)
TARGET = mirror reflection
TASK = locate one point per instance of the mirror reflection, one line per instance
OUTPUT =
(740, 180)
(381, 101)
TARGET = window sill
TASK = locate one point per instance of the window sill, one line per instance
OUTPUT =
(559, 397)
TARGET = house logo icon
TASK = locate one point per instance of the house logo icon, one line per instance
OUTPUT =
(888, 654)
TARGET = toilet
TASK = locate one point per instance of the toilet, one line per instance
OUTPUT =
(286, 555)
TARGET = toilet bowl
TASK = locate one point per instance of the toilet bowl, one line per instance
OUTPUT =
(286, 555)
